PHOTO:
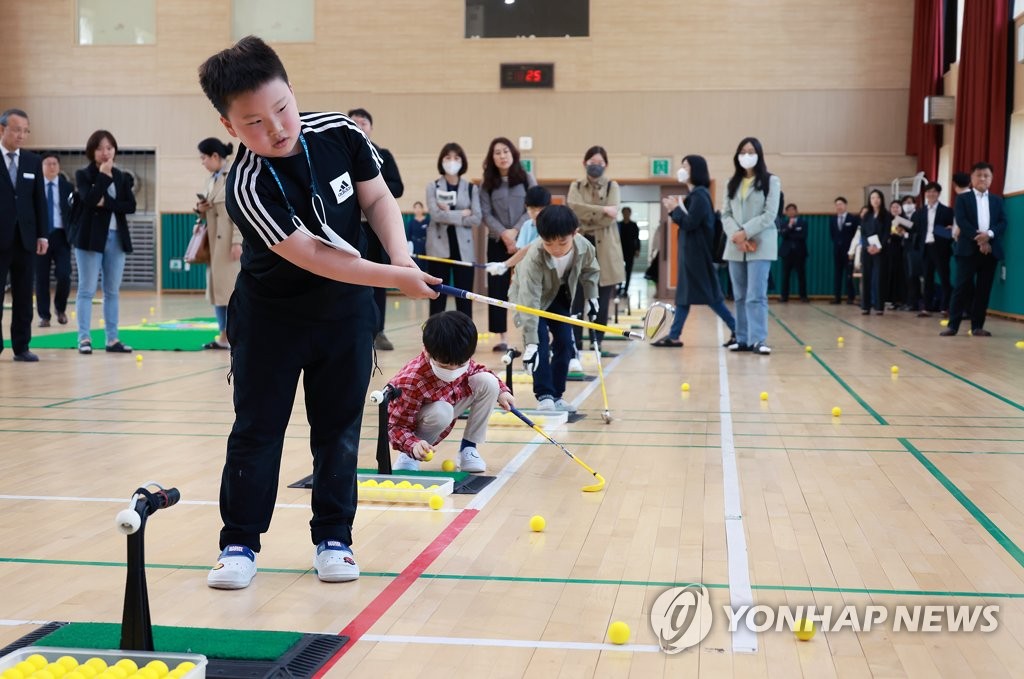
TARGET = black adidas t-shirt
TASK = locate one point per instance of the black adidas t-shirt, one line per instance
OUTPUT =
(340, 155)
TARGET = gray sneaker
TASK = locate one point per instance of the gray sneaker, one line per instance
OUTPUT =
(470, 461)
(382, 343)
(546, 403)
(564, 406)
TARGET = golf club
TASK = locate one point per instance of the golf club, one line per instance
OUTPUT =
(586, 489)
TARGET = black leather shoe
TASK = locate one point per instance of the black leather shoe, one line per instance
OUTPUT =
(980, 332)
(947, 333)
(44, 322)
(26, 357)
(118, 348)
(62, 318)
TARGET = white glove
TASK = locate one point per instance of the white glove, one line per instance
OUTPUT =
(496, 268)
(593, 305)
(530, 358)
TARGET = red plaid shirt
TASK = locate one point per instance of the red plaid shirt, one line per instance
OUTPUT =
(420, 385)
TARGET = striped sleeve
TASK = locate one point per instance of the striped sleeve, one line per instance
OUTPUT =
(253, 205)
(366, 159)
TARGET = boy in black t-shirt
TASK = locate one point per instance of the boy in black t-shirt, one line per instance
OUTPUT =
(302, 302)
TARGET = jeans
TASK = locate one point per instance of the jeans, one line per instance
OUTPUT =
(549, 378)
(111, 262)
(221, 312)
(750, 290)
(683, 310)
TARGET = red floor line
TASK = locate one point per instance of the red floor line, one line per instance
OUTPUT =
(373, 612)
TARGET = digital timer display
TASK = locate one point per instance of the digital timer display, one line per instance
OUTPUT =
(526, 76)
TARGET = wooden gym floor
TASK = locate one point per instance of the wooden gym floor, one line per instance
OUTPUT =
(912, 496)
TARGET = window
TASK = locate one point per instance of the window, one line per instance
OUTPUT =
(527, 18)
(272, 20)
(116, 22)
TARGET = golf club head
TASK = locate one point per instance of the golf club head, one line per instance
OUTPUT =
(658, 321)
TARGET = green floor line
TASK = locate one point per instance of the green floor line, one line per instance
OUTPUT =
(997, 534)
(963, 379)
(221, 368)
(837, 378)
(855, 327)
(541, 580)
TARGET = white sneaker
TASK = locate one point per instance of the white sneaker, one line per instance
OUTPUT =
(235, 568)
(762, 349)
(547, 403)
(406, 463)
(470, 461)
(575, 366)
(335, 562)
(564, 406)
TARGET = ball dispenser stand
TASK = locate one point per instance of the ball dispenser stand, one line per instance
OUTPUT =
(136, 625)
(382, 398)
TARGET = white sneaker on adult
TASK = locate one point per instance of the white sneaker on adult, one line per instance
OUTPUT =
(470, 461)
(564, 406)
(546, 403)
(335, 562)
(235, 569)
(406, 463)
(762, 349)
(575, 366)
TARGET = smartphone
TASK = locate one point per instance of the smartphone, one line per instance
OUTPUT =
(201, 196)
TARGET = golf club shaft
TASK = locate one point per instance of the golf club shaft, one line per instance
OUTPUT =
(464, 294)
(600, 375)
(456, 262)
(536, 427)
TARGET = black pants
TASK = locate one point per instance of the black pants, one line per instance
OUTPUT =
(870, 281)
(461, 276)
(843, 272)
(497, 287)
(974, 277)
(913, 267)
(937, 256)
(628, 261)
(268, 355)
(19, 263)
(892, 281)
(791, 263)
(59, 253)
(375, 252)
(579, 306)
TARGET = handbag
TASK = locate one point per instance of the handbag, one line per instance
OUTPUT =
(198, 250)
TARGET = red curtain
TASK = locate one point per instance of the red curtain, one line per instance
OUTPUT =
(926, 67)
(981, 88)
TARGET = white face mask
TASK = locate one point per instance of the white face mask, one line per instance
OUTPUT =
(448, 374)
(908, 210)
(452, 167)
(682, 175)
(747, 160)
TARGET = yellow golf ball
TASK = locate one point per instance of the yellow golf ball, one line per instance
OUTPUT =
(143, 321)
(944, 322)
(436, 502)
(13, 673)
(537, 523)
(404, 484)
(158, 666)
(97, 664)
(185, 666)
(370, 483)
(429, 456)
(837, 411)
(44, 674)
(38, 661)
(1019, 344)
(387, 484)
(808, 348)
(804, 630)
(396, 305)
(448, 466)
(68, 662)
(840, 340)
(764, 395)
(128, 665)
(56, 669)
(685, 386)
(618, 633)
(26, 668)
(152, 310)
(86, 671)
(138, 358)
(895, 369)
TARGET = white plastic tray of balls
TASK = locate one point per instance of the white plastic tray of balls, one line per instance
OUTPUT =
(70, 660)
(397, 488)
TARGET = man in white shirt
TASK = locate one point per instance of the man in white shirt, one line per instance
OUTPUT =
(982, 223)
(931, 236)
(58, 191)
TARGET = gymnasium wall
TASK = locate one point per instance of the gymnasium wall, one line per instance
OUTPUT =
(823, 84)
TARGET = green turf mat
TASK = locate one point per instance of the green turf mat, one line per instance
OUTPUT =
(187, 334)
(458, 476)
(213, 643)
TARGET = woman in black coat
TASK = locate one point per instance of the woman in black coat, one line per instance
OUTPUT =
(101, 238)
(874, 233)
(697, 281)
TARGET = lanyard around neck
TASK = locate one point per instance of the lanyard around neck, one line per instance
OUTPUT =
(318, 203)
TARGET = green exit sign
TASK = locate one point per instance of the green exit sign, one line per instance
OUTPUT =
(527, 164)
(661, 167)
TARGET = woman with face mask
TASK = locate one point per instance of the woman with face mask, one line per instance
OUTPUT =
(893, 278)
(454, 205)
(748, 219)
(595, 201)
(698, 278)
(874, 233)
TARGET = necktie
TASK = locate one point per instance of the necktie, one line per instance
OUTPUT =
(12, 168)
(50, 204)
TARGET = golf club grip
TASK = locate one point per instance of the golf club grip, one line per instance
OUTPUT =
(519, 413)
(512, 306)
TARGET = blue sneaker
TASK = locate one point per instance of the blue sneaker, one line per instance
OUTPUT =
(235, 568)
(335, 562)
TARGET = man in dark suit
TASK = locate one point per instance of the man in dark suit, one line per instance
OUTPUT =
(793, 251)
(58, 211)
(842, 228)
(982, 223)
(22, 226)
(931, 239)
(629, 237)
(375, 251)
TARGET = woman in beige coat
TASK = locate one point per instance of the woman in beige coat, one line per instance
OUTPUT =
(224, 237)
(595, 200)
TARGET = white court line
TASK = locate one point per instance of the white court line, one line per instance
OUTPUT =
(509, 643)
(215, 503)
(16, 623)
(487, 494)
(743, 639)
